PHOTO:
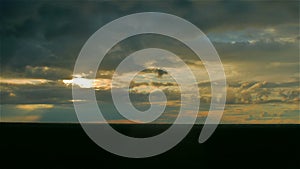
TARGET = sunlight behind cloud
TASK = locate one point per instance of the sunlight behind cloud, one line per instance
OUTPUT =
(81, 82)
(89, 83)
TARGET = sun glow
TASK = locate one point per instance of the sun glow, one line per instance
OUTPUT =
(89, 83)
(81, 82)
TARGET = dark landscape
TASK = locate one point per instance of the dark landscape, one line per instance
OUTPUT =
(44, 145)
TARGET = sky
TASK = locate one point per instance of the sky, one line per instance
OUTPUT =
(258, 44)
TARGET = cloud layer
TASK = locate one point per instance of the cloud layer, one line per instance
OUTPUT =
(258, 43)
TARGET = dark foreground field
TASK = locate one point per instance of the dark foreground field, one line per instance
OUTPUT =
(231, 146)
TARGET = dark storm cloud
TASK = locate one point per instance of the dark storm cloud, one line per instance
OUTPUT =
(135, 43)
(47, 33)
(47, 72)
(51, 33)
(222, 14)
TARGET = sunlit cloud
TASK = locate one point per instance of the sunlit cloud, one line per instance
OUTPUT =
(12, 94)
(271, 113)
(31, 107)
(23, 81)
(263, 92)
(27, 118)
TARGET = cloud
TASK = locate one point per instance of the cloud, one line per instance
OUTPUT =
(46, 72)
(263, 92)
(278, 34)
(25, 93)
(282, 84)
(32, 38)
(98, 84)
(26, 118)
(31, 107)
(134, 85)
(158, 71)
(290, 95)
(42, 40)
(225, 15)
(270, 113)
(41, 49)
(23, 81)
